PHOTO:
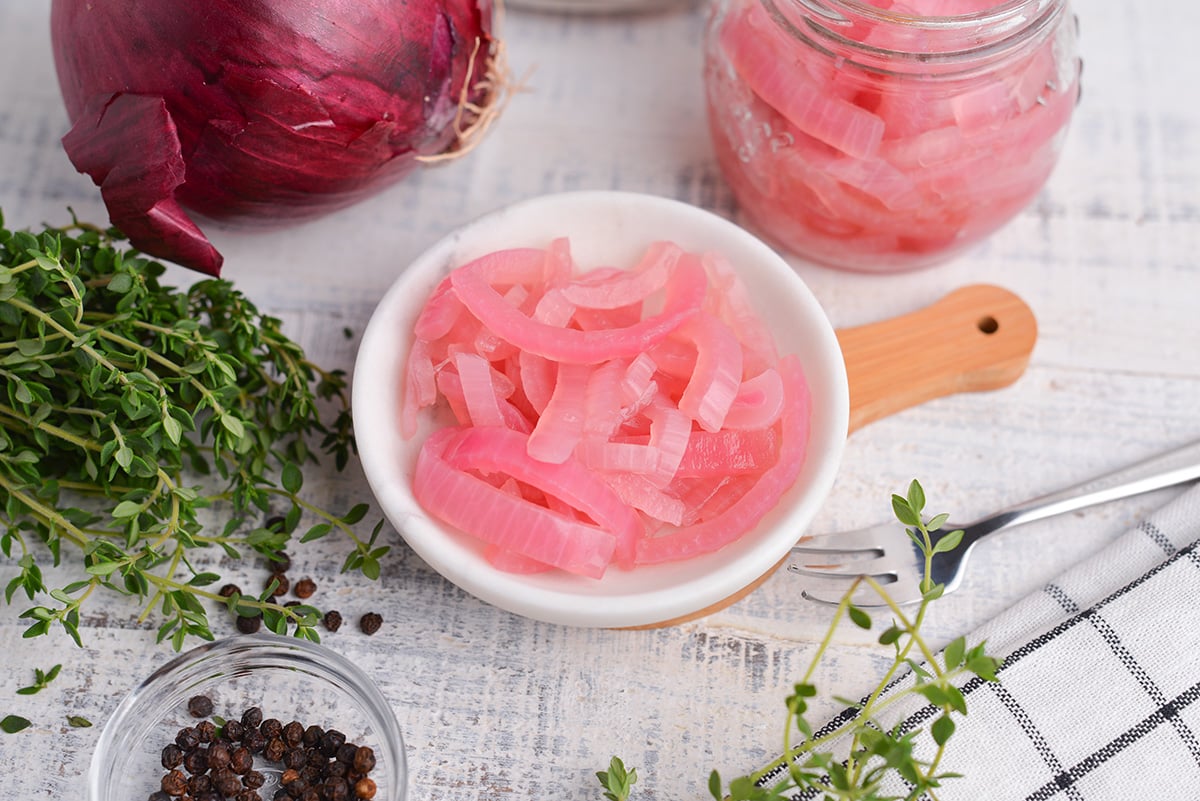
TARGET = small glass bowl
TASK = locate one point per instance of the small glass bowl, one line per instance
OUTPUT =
(288, 679)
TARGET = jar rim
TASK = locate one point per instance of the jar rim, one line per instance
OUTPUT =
(940, 44)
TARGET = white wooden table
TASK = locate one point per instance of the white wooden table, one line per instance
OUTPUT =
(494, 706)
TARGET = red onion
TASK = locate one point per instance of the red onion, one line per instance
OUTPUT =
(266, 111)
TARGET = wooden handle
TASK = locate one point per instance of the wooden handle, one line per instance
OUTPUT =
(976, 338)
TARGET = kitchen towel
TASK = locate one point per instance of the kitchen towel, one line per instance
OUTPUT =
(1098, 697)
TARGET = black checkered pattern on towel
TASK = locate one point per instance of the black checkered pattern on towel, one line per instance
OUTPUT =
(1099, 691)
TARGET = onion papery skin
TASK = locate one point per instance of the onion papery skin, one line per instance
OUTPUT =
(262, 112)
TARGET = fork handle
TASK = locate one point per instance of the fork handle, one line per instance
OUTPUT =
(1169, 469)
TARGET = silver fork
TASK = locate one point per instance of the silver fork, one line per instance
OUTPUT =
(830, 562)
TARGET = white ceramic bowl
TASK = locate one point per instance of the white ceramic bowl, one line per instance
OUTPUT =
(604, 228)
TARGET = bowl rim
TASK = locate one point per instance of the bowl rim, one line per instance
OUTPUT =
(376, 378)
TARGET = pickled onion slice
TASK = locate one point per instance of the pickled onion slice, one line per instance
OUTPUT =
(744, 513)
(758, 403)
(510, 523)
(505, 451)
(717, 375)
(685, 293)
(767, 69)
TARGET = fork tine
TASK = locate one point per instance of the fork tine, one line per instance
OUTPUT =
(863, 539)
(831, 591)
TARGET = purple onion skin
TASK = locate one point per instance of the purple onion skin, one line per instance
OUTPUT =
(257, 111)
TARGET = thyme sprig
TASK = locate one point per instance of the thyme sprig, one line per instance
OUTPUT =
(133, 413)
(851, 761)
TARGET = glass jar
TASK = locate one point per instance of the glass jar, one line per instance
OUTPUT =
(887, 136)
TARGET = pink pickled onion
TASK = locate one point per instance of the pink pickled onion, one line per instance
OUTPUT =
(507, 522)
(646, 429)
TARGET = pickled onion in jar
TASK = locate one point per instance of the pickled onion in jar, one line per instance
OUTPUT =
(893, 135)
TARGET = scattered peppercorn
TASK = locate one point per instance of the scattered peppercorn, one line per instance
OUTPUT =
(254, 779)
(159, 795)
(227, 783)
(305, 588)
(199, 783)
(370, 622)
(200, 706)
(346, 753)
(280, 580)
(333, 620)
(271, 728)
(252, 718)
(248, 624)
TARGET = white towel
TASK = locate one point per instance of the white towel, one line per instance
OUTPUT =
(1098, 697)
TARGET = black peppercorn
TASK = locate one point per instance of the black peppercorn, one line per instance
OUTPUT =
(337, 770)
(248, 624)
(310, 794)
(187, 738)
(200, 706)
(336, 789)
(230, 589)
(312, 735)
(305, 588)
(274, 750)
(240, 760)
(346, 753)
(253, 779)
(227, 782)
(218, 756)
(210, 795)
(233, 731)
(248, 795)
(172, 756)
(254, 740)
(370, 622)
(315, 757)
(279, 562)
(159, 795)
(364, 760)
(293, 733)
(331, 742)
(283, 795)
(296, 786)
(252, 718)
(280, 580)
(332, 620)
(271, 728)
(195, 761)
(365, 788)
(295, 759)
(207, 731)
(199, 783)
(174, 783)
